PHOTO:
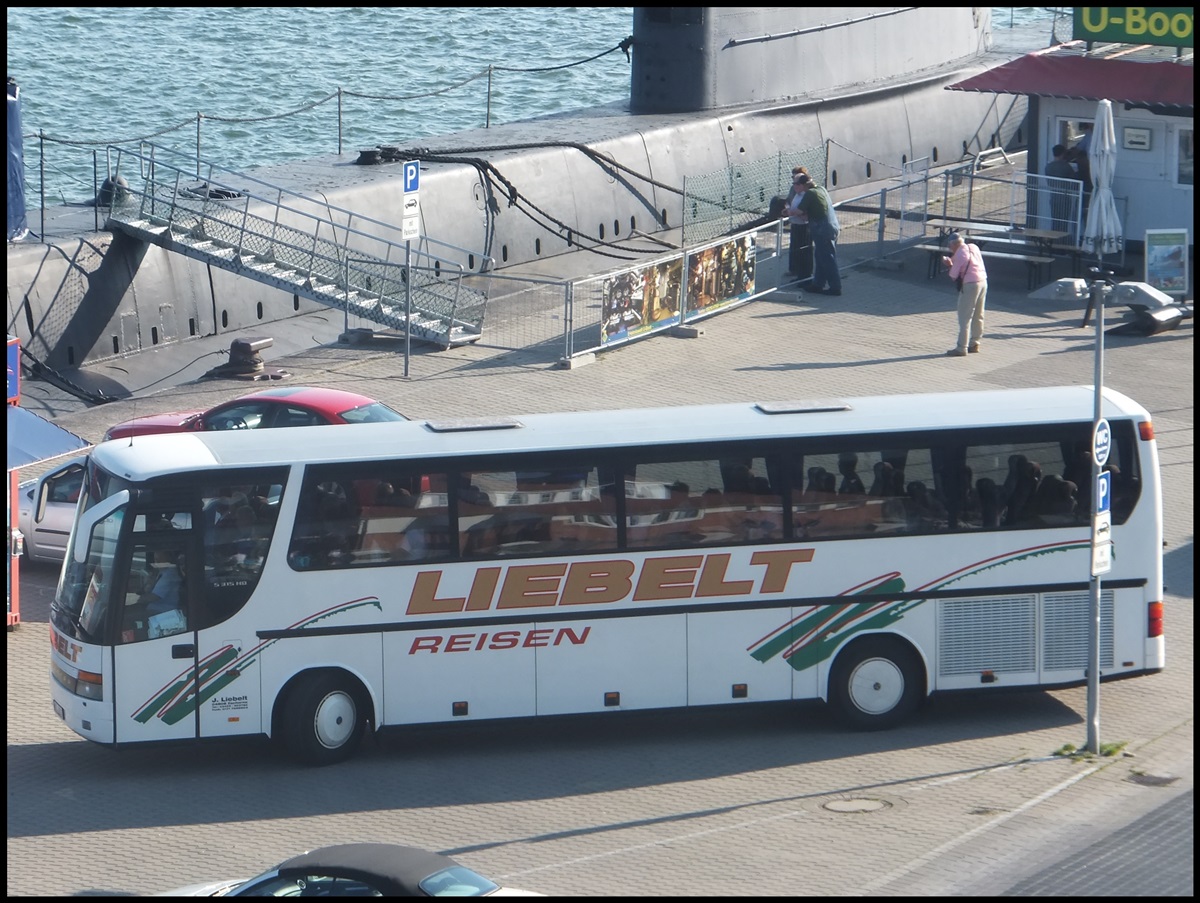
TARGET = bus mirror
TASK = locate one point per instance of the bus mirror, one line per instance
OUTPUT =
(88, 520)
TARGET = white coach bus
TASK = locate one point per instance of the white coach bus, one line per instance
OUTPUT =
(307, 584)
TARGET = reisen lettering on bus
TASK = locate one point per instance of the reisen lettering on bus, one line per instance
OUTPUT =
(538, 637)
(606, 582)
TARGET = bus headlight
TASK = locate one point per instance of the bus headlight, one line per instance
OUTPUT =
(88, 684)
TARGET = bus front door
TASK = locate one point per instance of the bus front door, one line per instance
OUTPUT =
(155, 663)
(155, 683)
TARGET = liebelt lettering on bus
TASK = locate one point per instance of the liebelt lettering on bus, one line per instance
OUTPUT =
(605, 582)
(63, 647)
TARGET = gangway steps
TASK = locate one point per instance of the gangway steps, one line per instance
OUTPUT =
(190, 236)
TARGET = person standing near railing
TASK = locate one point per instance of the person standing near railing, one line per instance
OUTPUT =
(800, 252)
(815, 202)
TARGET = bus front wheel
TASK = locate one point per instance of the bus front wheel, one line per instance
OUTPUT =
(323, 720)
(876, 683)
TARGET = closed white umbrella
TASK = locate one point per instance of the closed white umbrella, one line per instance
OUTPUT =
(1103, 233)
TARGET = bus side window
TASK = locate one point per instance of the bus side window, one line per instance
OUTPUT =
(754, 509)
(701, 502)
(549, 508)
(1009, 491)
(400, 526)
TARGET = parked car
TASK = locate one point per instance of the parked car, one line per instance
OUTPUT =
(47, 510)
(278, 407)
(360, 870)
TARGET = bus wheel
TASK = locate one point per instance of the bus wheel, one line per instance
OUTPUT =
(322, 719)
(876, 683)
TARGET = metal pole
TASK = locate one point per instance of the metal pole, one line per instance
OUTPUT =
(95, 183)
(407, 304)
(42, 180)
(487, 121)
(1093, 671)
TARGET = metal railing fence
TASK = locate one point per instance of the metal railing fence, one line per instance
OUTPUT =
(307, 246)
(721, 202)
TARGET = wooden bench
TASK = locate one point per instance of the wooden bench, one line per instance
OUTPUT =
(1034, 262)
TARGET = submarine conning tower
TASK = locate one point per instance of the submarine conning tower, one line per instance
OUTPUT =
(693, 58)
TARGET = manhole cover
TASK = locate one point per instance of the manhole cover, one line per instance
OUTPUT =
(856, 805)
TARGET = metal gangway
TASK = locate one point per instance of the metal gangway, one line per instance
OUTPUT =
(301, 245)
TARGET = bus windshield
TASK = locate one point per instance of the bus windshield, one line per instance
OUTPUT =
(165, 556)
(84, 586)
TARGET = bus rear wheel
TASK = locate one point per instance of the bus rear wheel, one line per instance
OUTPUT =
(876, 684)
(323, 720)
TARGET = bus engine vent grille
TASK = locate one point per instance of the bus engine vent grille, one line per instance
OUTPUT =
(1066, 633)
(997, 634)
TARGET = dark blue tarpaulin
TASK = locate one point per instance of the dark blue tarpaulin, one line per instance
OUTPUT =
(32, 438)
(18, 225)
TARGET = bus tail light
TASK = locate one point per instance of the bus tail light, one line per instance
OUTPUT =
(1154, 624)
(89, 685)
(1146, 430)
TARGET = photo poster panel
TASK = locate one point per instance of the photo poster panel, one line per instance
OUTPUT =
(638, 302)
(720, 276)
(1167, 260)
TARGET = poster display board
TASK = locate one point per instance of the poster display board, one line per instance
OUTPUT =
(661, 295)
(1167, 260)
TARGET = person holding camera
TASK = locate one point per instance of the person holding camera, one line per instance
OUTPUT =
(965, 266)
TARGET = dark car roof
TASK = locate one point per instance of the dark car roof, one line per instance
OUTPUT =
(393, 868)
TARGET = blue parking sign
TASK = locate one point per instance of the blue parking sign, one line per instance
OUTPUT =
(412, 177)
(1103, 491)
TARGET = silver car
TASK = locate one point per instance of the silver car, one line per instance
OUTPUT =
(47, 511)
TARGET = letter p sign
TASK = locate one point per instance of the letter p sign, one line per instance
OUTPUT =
(1103, 492)
(412, 177)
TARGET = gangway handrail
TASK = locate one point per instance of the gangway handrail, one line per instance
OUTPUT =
(153, 159)
(285, 244)
(457, 269)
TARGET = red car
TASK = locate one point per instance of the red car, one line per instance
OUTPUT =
(284, 406)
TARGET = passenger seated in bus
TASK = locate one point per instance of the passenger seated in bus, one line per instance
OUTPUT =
(852, 484)
(924, 512)
(736, 476)
(260, 502)
(882, 484)
(1023, 478)
(164, 599)
(238, 540)
(390, 530)
(329, 523)
(1056, 501)
(989, 502)
(471, 494)
(1078, 467)
(968, 502)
